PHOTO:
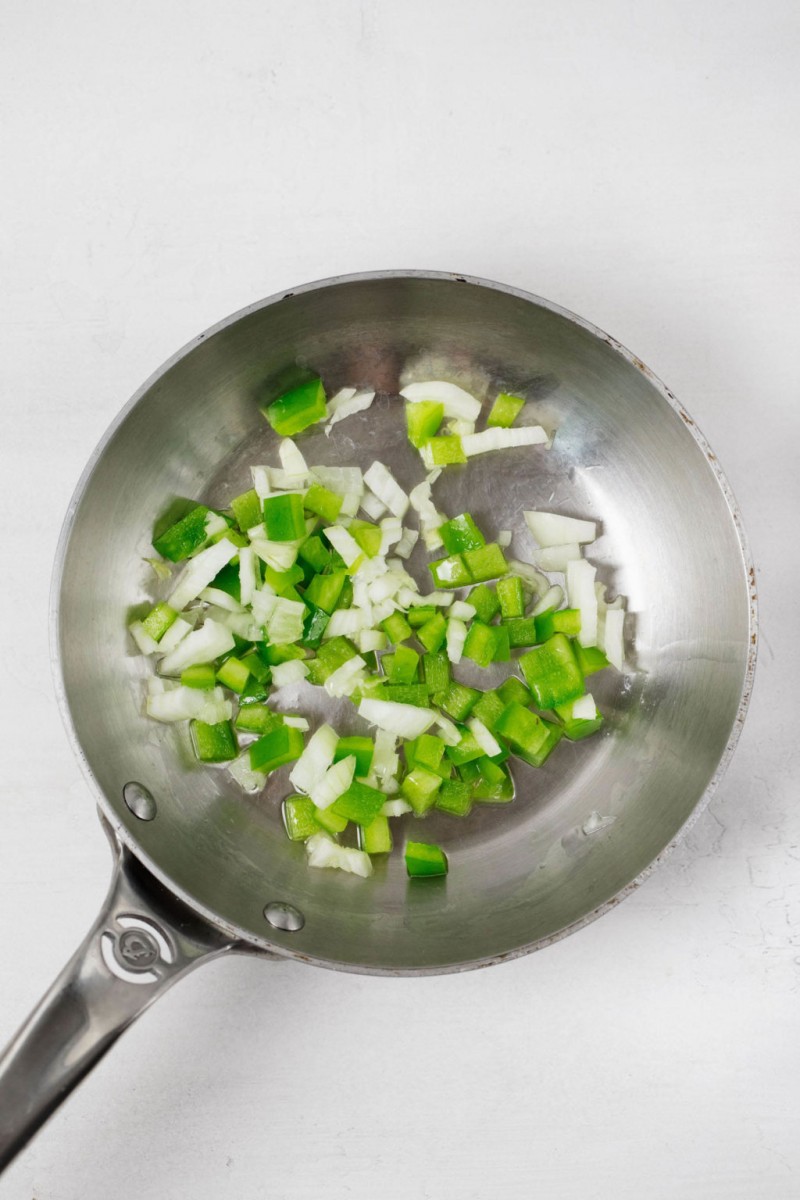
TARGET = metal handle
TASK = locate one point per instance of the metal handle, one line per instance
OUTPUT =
(143, 941)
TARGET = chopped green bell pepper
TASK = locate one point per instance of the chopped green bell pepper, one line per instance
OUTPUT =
(376, 838)
(202, 676)
(522, 631)
(446, 449)
(425, 860)
(396, 628)
(359, 747)
(484, 600)
(323, 503)
(505, 411)
(295, 410)
(436, 669)
(457, 701)
(246, 509)
(565, 620)
(158, 621)
(422, 421)
(489, 708)
(298, 818)
(455, 797)
(433, 633)
(451, 572)
(590, 658)
(234, 674)
(314, 552)
(257, 718)
(214, 743)
(576, 728)
(461, 533)
(184, 537)
(279, 746)
(521, 728)
(419, 788)
(360, 803)
(402, 666)
(283, 517)
(511, 595)
(552, 673)
(324, 591)
(513, 689)
(487, 562)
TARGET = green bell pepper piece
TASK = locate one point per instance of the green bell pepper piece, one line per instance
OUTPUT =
(511, 595)
(425, 860)
(324, 591)
(590, 658)
(461, 533)
(433, 633)
(420, 614)
(457, 701)
(419, 788)
(521, 728)
(576, 729)
(423, 420)
(481, 643)
(505, 411)
(247, 510)
(376, 838)
(295, 410)
(489, 709)
(513, 689)
(314, 552)
(298, 818)
(446, 449)
(436, 669)
(359, 747)
(484, 600)
(522, 631)
(314, 626)
(202, 676)
(552, 673)
(184, 537)
(406, 693)
(425, 751)
(402, 666)
(565, 620)
(329, 820)
(323, 503)
(257, 718)
(367, 535)
(214, 743)
(396, 628)
(360, 803)
(450, 572)
(279, 746)
(283, 517)
(487, 562)
(234, 674)
(467, 749)
(158, 621)
(455, 797)
(538, 757)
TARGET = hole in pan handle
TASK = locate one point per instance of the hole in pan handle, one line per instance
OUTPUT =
(143, 940)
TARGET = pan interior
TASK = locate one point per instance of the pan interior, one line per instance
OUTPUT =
(623, 456)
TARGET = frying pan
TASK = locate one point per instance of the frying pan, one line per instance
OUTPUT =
(201, 870)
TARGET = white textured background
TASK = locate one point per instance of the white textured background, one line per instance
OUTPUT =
(165, 163)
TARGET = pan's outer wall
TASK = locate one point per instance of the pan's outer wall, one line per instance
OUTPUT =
(625, 453)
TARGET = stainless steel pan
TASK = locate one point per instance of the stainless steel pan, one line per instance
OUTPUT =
(200, 870)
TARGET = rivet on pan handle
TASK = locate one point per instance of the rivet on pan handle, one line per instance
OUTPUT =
(141, 943)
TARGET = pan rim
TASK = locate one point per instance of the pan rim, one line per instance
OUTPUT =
(247, 940)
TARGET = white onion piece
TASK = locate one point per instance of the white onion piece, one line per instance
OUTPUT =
(372, 639)
(581, 593)
(160, 569)
(551, 529)
(222, 599)
(323, 852)
(406, 597)
(344, 544)
(248, 779)
(503, 538)
(555, 558)
(533, 581)
(185, 703)
(214, 523)
(327, 789)
(146, 644)
(462, 610)
(247, 574)
(296, 723)
(391, 533)
(278, 555)
(502, 439)
(457, 427)
(341, 397)
(315, 759)
(203, 645)
(553, 598)
(403, 720)
(285, 623)
(349, 406)
(384, 758)
(456, 637)
(483, 736)
(345, 622)
(613, 641)
(373, 507)
(261, 483)
(584, 708)
(448, 732)
(347, 482)
(395, 808)
(457, 403)
(346, 678)
(407, 542)
(178, 631)
(380, 480)
(292, 460)
(288, 672)
(199, 572)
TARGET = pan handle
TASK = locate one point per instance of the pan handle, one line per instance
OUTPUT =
(143, 941)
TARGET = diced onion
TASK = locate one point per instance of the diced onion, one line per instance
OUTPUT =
(553, 598)
(346, 678)
(296, 723)
(372, 639)
(380, 480)
(485, 739)
(203, 645)
(403, 720)
(391, 533)
(551, 529)
(339, 408)
(344, 544)
(185, 703)
(496, 438)
(581, 593)
(292, 460)
(248, 779)
(345, 622)
(323, 852)
(178, 631)
(555, 558)
(247, 574)
(199, 572)
(222, 599)
(503, 538)
(613, 642)
(289, 672)
(407, 542)
(327, 789)
(278, 555)
(146, 644)
(396, 808)
(261, 483)
(584, 708)
(456, 637)
(315, 759)
(372, 506)
(384, 759)
(448, 732)
(285, 623)
(462, 610)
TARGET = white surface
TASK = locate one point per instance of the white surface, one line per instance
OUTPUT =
(165, 164)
